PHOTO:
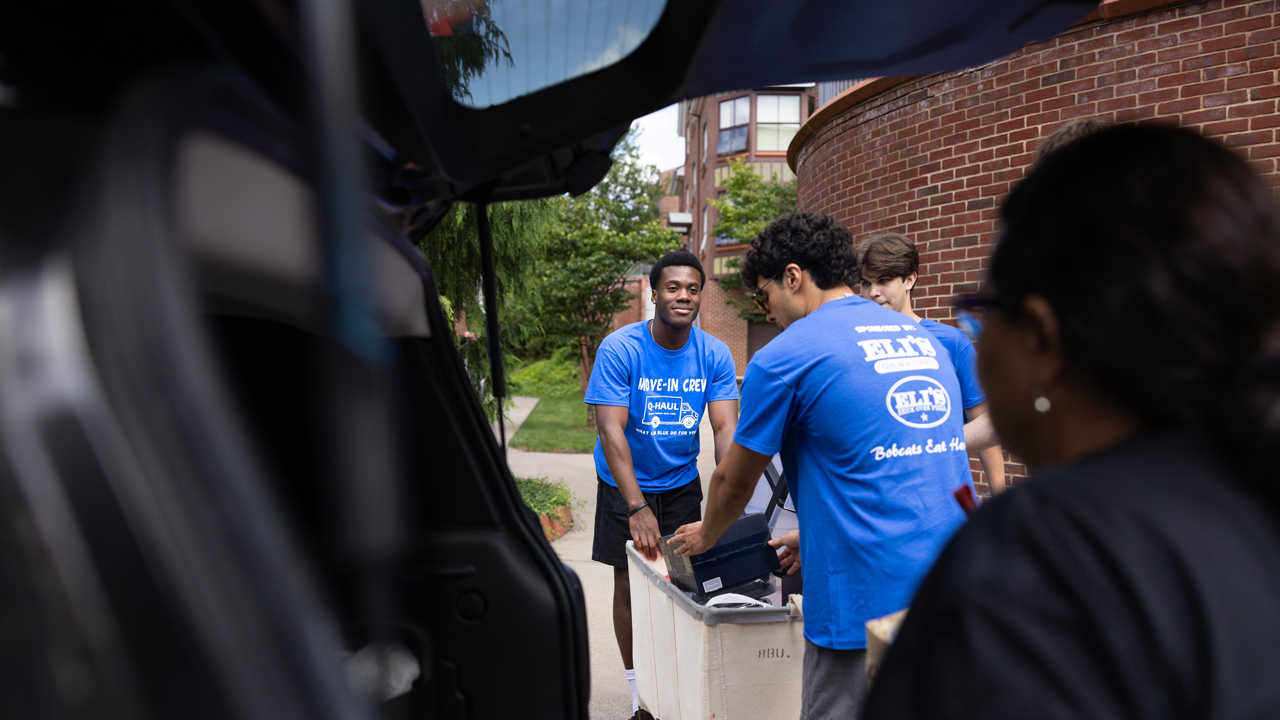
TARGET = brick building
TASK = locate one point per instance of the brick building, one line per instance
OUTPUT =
(933, 156)
(757, 125)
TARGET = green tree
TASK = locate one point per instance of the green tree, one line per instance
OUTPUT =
(749, 204)
(631, 188)
(580, 280)
(521, 232)
(605, 235)
(561, 265)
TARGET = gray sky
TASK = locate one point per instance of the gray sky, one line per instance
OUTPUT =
(659, 143)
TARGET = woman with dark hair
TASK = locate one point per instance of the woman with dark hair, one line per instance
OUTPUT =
(1129, 351)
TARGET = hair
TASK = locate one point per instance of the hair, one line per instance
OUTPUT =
(887, 255)
(1175, 316)
(1068, 133)
(816, 242)
(675, 258)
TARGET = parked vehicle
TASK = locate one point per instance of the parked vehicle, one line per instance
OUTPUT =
(236, 441)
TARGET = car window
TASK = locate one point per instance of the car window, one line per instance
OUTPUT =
(492, 51)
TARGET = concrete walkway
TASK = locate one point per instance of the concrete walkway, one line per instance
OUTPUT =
(610, 696)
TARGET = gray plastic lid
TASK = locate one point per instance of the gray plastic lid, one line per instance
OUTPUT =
(707, 615)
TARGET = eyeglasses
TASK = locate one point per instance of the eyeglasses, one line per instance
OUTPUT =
(971, 313)
(760, 299)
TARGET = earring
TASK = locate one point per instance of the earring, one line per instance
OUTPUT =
(1042, 403)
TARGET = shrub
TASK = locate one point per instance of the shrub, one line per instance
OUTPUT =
(556, 376)
(543, 496)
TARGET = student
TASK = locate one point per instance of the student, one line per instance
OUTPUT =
(651, 383)
(870, 432)
(888, 266)
(1130, 357)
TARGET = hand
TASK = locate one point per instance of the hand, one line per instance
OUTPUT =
(789, 554)
(688, 540)
(644, 531)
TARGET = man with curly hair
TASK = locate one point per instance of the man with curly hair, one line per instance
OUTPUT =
(870, 429)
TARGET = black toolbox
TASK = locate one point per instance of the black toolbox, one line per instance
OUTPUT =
(742, 554)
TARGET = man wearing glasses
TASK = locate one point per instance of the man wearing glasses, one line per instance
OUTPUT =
(866, 418)
(889, 265)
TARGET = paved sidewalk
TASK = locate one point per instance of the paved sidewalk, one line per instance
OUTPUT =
(610, 696)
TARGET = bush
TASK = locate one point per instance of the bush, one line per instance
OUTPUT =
(556, 376)
(545, 496)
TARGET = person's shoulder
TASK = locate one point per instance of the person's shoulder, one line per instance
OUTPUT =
(946, 332)
(1194, 474)
(1167, 488)
(775, 352)
(630, 335)
(871, 316)
(1172, 496)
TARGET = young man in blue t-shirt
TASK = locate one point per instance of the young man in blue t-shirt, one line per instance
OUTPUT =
(888, 266)
(651, 383)
(861, 404)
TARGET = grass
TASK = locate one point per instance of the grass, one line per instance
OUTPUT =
(557, 424)
(556, 376)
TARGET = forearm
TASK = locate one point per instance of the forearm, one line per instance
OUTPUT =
(727, 497)
(724, 438)
(992, 460)
(724, 421)
(979, 432)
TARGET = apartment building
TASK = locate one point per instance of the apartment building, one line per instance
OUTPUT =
(757, 125)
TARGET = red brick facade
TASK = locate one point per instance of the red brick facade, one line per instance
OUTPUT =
(933, 156)
(721, 320)
(639, 289)
(705, 171)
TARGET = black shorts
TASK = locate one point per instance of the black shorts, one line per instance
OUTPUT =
(673, 508)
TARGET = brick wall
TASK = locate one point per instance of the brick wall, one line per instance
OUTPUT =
(722, 321)
(933, 156)
(639, 289)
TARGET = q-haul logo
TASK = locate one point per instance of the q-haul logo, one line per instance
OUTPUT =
(919, 402)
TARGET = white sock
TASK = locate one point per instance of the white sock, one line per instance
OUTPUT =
(631, 680)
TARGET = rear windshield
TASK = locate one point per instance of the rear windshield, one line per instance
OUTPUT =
(496, 50)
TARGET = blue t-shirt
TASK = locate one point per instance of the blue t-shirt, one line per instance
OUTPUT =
(858, 400)
(963, 357)
(667, 392)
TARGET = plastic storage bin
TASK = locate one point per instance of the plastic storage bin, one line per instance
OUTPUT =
(707, 663)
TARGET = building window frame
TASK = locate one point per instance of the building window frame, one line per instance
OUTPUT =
(778, 119)
(734, 116)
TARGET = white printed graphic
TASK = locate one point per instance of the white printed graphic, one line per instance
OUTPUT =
(904, 364)
(712, 584)
(919, 402)
(668, 410)
(900, 354)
